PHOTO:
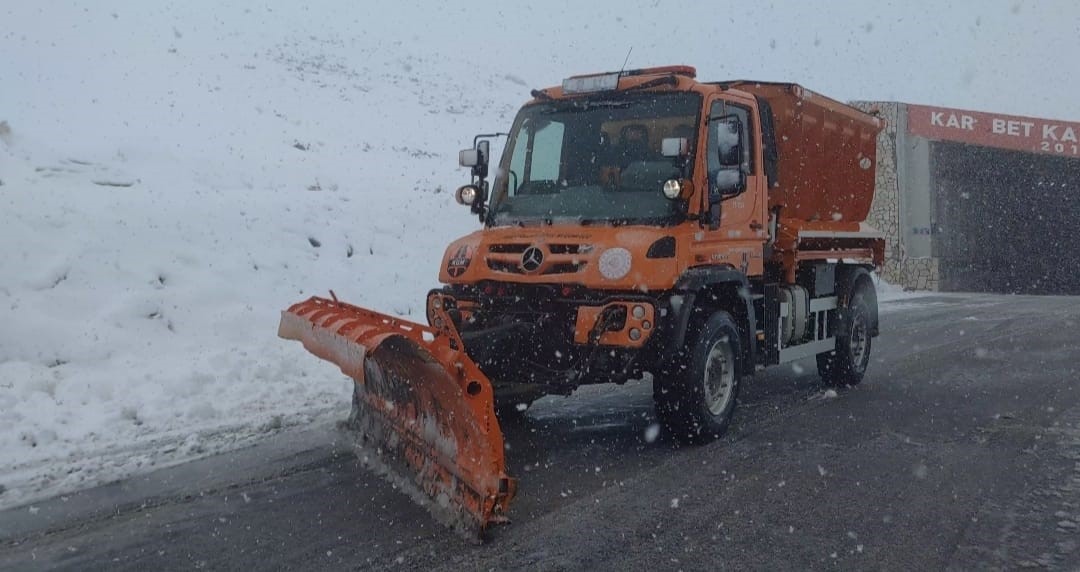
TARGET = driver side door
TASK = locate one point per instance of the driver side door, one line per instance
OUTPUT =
(738, 240)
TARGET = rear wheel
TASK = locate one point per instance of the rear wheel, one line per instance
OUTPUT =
(846, 365)
(697, 404)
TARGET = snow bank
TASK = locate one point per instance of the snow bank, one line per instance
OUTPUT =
(150, 312)
(891, 292)
(195, 183)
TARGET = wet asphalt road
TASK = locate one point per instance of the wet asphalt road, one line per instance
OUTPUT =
(961, 450)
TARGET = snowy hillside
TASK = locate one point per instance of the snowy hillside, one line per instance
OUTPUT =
(168, 186)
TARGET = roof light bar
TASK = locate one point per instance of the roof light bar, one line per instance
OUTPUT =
(591, 83)
(610, 81)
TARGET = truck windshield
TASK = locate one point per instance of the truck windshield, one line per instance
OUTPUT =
(594, 160)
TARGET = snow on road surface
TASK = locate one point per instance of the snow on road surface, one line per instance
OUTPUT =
(893, 298)
(891, 292)
(169, 182)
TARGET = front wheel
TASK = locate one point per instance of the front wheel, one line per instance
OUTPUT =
(846, 365)
(697, 404)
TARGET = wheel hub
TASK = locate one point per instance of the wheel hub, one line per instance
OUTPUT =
(719, 383)
(858, 338)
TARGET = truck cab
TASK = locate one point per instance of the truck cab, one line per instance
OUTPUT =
(643, 222)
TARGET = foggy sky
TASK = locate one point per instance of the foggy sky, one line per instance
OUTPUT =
(1007, 56)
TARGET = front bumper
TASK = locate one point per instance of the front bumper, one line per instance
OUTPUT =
(559, 335)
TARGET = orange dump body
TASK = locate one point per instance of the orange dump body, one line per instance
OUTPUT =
(826, 153)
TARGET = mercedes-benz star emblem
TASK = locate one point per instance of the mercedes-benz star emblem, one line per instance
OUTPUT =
(531, 259)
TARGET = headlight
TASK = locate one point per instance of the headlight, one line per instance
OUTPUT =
(466, 194)
(615, 263)
(672, 188)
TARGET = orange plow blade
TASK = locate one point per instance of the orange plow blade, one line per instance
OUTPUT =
(419, 399)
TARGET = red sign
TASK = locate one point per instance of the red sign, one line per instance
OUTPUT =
(995, 130)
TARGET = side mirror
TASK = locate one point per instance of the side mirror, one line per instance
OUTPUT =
(728, 132)
(480, 170)
(674, 147)
(469, 157)
(475, 194)
(728, 182)
(476, 159)
(730, 179)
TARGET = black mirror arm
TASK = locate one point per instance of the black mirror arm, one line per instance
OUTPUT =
(476, 140)
(714, 215)
(480, 172)
(479, 207)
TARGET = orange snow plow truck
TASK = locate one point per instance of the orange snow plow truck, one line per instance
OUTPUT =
(638, 222)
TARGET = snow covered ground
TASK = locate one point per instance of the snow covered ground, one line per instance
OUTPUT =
(165, 195)
(170, 179)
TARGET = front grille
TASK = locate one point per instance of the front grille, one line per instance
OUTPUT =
(512, 248)
(504, 266)
(564, 248)
(515, 267)
(507, 248)
(565, 268)
(558, 258)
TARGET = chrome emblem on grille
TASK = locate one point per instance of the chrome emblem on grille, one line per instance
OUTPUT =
(531, 259)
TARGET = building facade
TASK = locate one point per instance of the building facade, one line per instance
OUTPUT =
(973, 201)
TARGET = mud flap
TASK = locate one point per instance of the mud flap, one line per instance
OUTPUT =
(420, 400)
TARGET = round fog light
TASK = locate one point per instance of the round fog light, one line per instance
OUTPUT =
(635, 334)
(436, 303)
(467, 194)
(639, 312)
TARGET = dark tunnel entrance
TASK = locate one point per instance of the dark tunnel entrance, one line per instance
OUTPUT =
(1005, 221)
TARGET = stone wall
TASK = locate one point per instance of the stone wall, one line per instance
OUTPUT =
(918, 274)
(887, 211)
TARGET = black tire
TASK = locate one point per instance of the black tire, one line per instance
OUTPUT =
(697, 403)
(846, 365)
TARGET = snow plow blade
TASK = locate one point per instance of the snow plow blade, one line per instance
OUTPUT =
(420, 400)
